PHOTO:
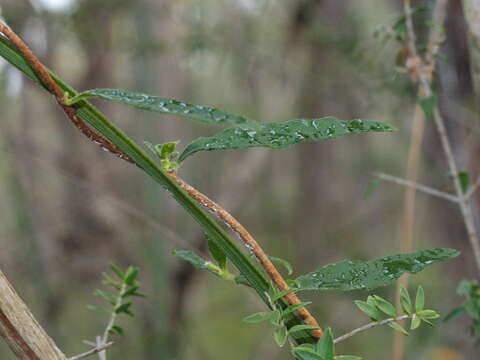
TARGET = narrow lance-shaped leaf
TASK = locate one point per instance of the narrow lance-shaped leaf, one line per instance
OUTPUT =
(354, 275)
(279, 135)
(282, 262)
(325, 346)
(163, 105)
(217, 254)
(405, 301)
(192, 258)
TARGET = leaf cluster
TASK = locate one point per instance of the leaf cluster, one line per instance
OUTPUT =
(471, 306)
(278, 316)
(126, 285)
(378, 309)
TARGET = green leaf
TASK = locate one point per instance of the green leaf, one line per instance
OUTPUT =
(258, 317)
(164, 106)
(109, 281)
(281, 135)
(282, 262)
(130, 275)
(123, 308)
(116, 330)
(276, 317)
(302, 327)
(112, 299)
(282, 293)
(325, 346)
(464, 179)
(454, 313)
(98, 309)
(415, 323)
(192, 258)
(385, 306)
(292, 308)
(354, 275)
(428, 322)
(280, 335)
(117, 271)
(369, 310)
(241, 280)
(371, 187)
(130, 291)
(427, 104)
(398, 327)
(420, 299)
(428, 314)
(305, 354)
(217, 254)
(347, 357)
(306, 347)
(405, 301)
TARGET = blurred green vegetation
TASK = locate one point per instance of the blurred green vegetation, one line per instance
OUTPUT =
(69, 209)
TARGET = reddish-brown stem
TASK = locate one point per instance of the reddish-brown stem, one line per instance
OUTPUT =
(252, 246)
(55, 90)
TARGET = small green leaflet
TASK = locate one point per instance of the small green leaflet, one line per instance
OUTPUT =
(464, 179)
(282, 262)
(279, 135)
(192, 258)
(165, 106)
(217, 254)
(427, 104)
(355, 275)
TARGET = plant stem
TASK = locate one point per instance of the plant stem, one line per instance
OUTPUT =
(417, 186)
(92, 351)
(113, 315)
(465, 207)
(369, 326)
(55, 90)
(252, 245)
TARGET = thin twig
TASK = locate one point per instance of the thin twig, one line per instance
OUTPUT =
(252, 246)
(93, 351)
(417, 186)
(465, 207)
(371, 325)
